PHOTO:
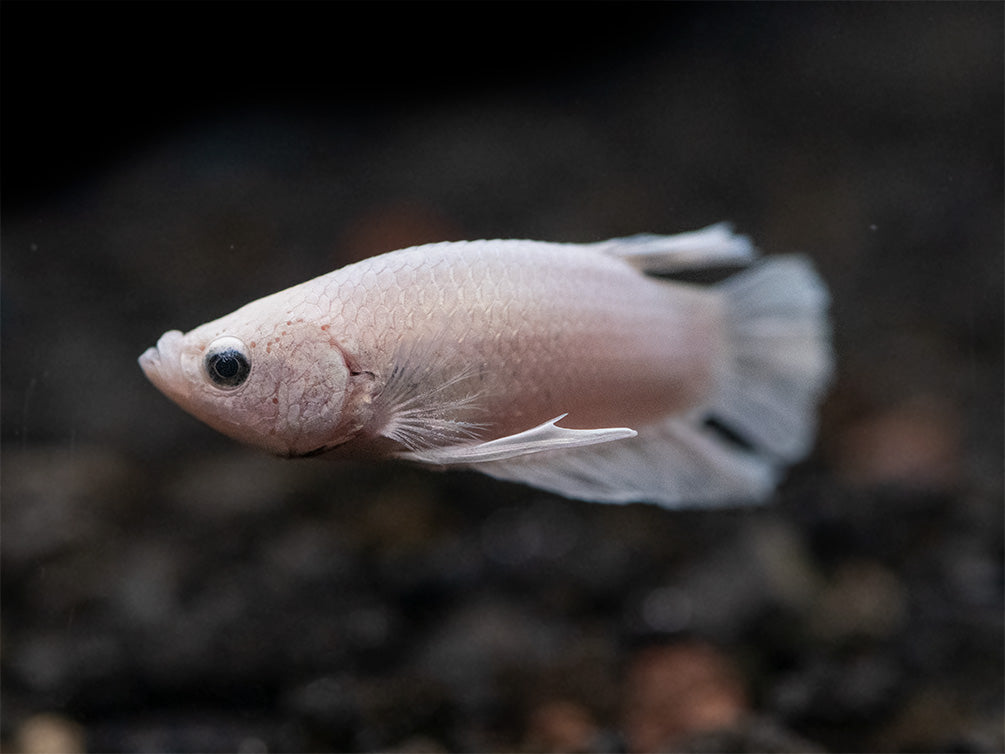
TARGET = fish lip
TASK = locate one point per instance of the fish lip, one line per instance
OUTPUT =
(149, 360)
(156, 360)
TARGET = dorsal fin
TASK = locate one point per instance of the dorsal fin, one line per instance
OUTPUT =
(714, 246)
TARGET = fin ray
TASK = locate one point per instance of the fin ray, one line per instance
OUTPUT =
(780, 359)
(421, 408)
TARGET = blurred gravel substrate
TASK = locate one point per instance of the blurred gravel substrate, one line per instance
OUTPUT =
(165, 590)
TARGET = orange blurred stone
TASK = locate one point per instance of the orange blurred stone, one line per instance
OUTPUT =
(561, 726)
(396, 225)
(47, 733)
(677, 690)
(915, 445)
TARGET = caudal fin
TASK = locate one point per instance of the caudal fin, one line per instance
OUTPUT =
(779, 356)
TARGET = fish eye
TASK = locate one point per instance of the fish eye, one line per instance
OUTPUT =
(226, 362)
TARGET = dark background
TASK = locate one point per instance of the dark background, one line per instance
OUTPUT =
(167, 590)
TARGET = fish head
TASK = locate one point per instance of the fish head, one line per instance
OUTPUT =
(279, 385)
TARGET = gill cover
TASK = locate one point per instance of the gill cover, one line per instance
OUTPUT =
(309, 380)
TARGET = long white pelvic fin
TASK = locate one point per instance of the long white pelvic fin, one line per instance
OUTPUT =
(716, 245)
(547, 436)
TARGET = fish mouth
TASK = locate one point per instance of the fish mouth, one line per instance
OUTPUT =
(157, 361)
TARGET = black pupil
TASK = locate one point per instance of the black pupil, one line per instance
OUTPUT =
(227, 368)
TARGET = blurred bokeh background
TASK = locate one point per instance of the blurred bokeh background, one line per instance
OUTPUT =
(167, 590)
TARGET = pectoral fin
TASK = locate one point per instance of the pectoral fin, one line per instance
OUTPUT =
(547, 436)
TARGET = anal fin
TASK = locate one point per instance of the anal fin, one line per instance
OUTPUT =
(544, 437)
(674, 463)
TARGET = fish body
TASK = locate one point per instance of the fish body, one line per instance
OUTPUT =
(469, 354)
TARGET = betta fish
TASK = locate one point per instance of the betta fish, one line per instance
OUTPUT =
(599, 371)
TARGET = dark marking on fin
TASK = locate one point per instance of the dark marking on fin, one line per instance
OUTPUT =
(727, 433)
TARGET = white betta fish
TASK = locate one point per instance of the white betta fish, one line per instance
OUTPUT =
(569, 367)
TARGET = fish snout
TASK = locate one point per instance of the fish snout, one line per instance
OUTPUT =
(153, 360)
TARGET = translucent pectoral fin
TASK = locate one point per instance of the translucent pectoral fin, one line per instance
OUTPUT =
(547, 436)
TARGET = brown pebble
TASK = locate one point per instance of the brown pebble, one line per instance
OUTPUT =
(49, 734)
(863, 599)
(674, 691)
(914, 445)
(561, 726)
